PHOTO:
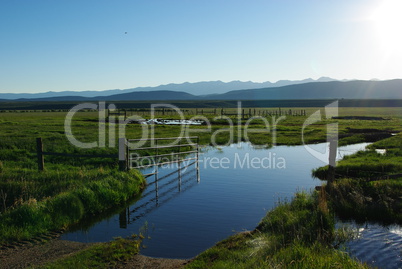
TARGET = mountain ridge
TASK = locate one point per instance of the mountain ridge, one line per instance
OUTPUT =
(356, 89)
(207, 87)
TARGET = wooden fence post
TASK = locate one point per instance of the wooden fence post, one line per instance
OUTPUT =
(39, 150)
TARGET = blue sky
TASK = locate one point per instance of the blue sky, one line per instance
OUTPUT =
(99, 45)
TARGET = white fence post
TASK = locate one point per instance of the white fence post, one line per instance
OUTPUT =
(122, 154)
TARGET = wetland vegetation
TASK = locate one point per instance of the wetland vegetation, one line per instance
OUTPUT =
(296, 234)
(369, 185)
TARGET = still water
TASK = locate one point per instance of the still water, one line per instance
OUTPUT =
(183, 216)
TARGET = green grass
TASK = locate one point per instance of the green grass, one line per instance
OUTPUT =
(106, 255)
(295, 234)
(369, 163)
(19, 131)
(38, 202)
(369, 184)
(362, 201)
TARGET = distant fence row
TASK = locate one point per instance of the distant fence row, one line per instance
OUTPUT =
(244, 113)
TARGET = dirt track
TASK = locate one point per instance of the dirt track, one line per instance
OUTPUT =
(26, 255)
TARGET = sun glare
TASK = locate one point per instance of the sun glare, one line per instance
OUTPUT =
(387, 19)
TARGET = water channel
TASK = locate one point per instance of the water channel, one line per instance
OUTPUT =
(183, 216)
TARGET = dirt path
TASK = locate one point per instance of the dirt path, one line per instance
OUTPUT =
(143, 262)
(25, 255)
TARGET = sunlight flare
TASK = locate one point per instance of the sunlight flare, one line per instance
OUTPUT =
(387, 21)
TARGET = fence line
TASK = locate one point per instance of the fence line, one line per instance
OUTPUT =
(41, 154)
(252, 112)
(126, 161)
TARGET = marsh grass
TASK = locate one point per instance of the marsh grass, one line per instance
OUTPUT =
(41, 202)
(369, 184)
(362, 201)
(369, 164)
(295, 234)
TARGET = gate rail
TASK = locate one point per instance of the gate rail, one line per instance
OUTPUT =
(126, 152)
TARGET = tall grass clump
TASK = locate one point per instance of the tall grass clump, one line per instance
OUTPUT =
(367, 201)
(306, 218)
(94, 193)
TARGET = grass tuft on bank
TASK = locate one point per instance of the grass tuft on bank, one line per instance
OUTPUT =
(379, 201)
(295, 234)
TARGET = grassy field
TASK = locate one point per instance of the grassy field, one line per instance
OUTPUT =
(33, 202)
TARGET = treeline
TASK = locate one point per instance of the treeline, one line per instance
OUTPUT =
(14, 105)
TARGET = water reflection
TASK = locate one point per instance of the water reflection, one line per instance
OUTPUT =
(162, 191)
(188, 217)
(377, 245)
(159, 190)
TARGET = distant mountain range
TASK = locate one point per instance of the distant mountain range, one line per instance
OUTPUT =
(357, 89)
(323, 88)
(198, 88)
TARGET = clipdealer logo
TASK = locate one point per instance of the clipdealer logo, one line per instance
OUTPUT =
(107, 133)
(331, 111)
(107, 125)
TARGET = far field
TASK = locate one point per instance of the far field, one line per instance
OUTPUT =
(19, 130)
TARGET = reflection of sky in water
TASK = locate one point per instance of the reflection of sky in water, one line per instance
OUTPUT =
(397, 231)
(378, 245)
(187, 217)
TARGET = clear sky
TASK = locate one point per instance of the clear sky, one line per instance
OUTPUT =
(57, 45)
